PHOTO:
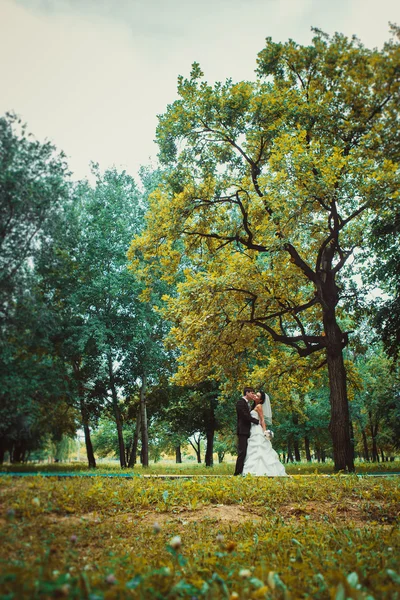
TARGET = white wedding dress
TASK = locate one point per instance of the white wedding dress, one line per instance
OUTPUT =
(261, 458)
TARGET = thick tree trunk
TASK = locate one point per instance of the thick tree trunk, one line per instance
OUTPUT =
(335, 341)
(133, 456)
(307, 448)
(339, 425)
(145, 433)
(117, 413)
(178, 455)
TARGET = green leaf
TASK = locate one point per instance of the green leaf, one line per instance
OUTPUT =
(393, 576)
(134, 583)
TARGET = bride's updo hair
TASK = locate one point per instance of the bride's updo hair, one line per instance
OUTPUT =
(262, 394)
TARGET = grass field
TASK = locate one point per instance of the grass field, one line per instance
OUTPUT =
(300, 537)
(191, 468)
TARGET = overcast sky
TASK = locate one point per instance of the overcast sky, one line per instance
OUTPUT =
(92, 75)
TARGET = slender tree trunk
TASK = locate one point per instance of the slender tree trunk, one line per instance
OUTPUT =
(365, 444)
(296, 448)
(353, 447)
(382, 456)
(196, 447)
(145, 433)
(117, 413)
(133, 456)
(129, 453)
(84, 415)
(289, 451)
(209, 458)
(374, 433)
(178, 455)
(2, 450)
(307, 448)
(375, 455)
(210, 431)
(89, 446)
(18, 453)
(221, 455)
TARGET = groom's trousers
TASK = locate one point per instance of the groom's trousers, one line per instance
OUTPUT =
(242, 450)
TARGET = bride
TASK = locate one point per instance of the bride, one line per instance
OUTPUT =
(261, 458)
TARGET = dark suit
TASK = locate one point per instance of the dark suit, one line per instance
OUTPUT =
(244, 421)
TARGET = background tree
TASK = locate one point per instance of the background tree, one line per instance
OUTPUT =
(33, 184)
(100, 296)
(34, 397)
(385, 273)
(376, 406)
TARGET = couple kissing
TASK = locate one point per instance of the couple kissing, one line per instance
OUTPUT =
(256, 455)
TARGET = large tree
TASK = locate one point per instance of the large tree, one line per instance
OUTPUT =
(271, 190)
(34, 399)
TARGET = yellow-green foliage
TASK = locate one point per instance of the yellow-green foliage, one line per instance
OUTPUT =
(316, 537)
(271, 188)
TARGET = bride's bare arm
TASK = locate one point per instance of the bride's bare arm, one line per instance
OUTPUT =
(259, 411)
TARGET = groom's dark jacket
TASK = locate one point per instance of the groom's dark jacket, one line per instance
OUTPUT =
(244, 418)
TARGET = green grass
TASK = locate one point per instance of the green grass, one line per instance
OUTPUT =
(190, 468)
(301, 537)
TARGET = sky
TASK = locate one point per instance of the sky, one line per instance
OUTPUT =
(92, 75)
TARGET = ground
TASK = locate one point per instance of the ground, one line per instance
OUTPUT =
(301, 537)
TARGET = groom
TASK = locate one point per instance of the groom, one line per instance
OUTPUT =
(244, 421)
